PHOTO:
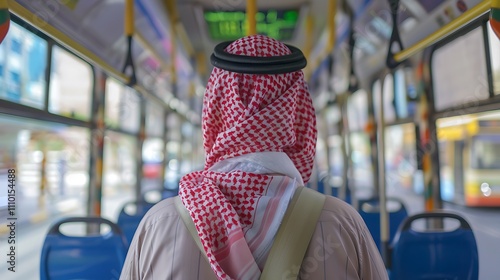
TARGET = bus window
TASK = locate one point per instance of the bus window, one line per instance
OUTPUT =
(494, 58)
(357, 110)
(400, 94)
(341, 64)
(460, 81)
(152, 155)
(485, 152)
(23, 59)
(153, 149)
(71, 82)
(174, 150)
(51, 162)
(130, 110)
(112, 110)
(400, 158)
(388, 96)
(469, 149)
(122, 107)
(361, 164)
(119, 172)
(376, 92)
(154, 119)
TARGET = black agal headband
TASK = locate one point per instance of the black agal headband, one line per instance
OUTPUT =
(256, 64)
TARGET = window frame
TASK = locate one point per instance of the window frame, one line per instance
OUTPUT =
(478, 106)
(21, 110)
(50, 48)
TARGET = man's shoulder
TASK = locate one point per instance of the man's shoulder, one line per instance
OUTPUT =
(161, 211)
(337, 210)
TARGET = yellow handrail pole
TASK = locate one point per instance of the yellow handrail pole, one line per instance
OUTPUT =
(173, 17)
(251, 12)
(309, 32)
(179, 29)
(332, 36)
(466, 17)
(173, 70)
(332, 11)
(184, 38)
(4, 4)
(129, 17)
(309, 41)
(201, 64)
(129, 34)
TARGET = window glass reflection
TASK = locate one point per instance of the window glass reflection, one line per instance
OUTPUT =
(469, 148)
(122, 107)
(464, 80)
(119, 172)
(402, 172)
(51, 163)
(71, 83)
(362, 170)
(154, 119)
(23, 59)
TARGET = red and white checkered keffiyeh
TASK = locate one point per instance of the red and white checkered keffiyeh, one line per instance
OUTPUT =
(244, 114)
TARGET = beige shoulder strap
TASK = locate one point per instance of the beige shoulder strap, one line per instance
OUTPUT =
(294, 234)
(297, 228)
(188, 222)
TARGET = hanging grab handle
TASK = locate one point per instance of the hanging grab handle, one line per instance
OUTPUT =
(391, 62)
(129, 33)
(353, 80)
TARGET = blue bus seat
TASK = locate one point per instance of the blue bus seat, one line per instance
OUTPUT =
(324, 183)
(129, 222)
(369, 210)
(83, 257)
(437, 254)
(169, 193)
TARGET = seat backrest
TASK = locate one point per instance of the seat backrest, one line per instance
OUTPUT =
(169, 193)
(370, 212)
(434, 254)
(83, 257)
(128, 221)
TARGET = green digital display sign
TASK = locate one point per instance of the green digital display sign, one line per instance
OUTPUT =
(224, 25)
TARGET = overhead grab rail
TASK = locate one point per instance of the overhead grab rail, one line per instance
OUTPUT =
(463, 19)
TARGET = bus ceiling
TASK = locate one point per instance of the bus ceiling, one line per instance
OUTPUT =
(199, 25)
